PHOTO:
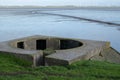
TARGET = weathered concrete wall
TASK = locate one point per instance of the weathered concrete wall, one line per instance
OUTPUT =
(108, 55)
(28, 58)
(52, 61)
(35, 59)
(53, 43)
(38, 59)
(30, 44)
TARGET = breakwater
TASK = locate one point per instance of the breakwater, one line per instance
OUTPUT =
(85, 19)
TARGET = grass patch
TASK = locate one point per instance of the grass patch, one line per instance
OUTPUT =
(12, 68)
(9, 62)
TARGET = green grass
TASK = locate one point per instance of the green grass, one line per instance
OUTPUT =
(12, 68)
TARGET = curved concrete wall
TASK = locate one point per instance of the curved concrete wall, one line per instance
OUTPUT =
(53, 43)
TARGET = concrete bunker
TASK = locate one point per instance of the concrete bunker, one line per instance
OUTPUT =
(47, 50)
(48, 46)
(42, 44)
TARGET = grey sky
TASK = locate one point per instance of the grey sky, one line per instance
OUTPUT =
(61, 2)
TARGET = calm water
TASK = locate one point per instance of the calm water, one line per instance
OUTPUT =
(27, 22)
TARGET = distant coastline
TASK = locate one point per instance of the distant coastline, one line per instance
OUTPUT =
(61, 7)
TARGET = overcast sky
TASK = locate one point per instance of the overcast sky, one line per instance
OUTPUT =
(60, 2)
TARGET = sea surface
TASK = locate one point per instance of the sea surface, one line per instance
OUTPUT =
(17, 23)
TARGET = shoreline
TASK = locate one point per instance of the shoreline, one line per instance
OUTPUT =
(60, 7)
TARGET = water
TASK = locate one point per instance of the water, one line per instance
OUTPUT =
(27, 22)
(104, 15)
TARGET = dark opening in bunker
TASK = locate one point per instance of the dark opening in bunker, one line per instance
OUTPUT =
(40, 44)
(67, 44)
(20, 45)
